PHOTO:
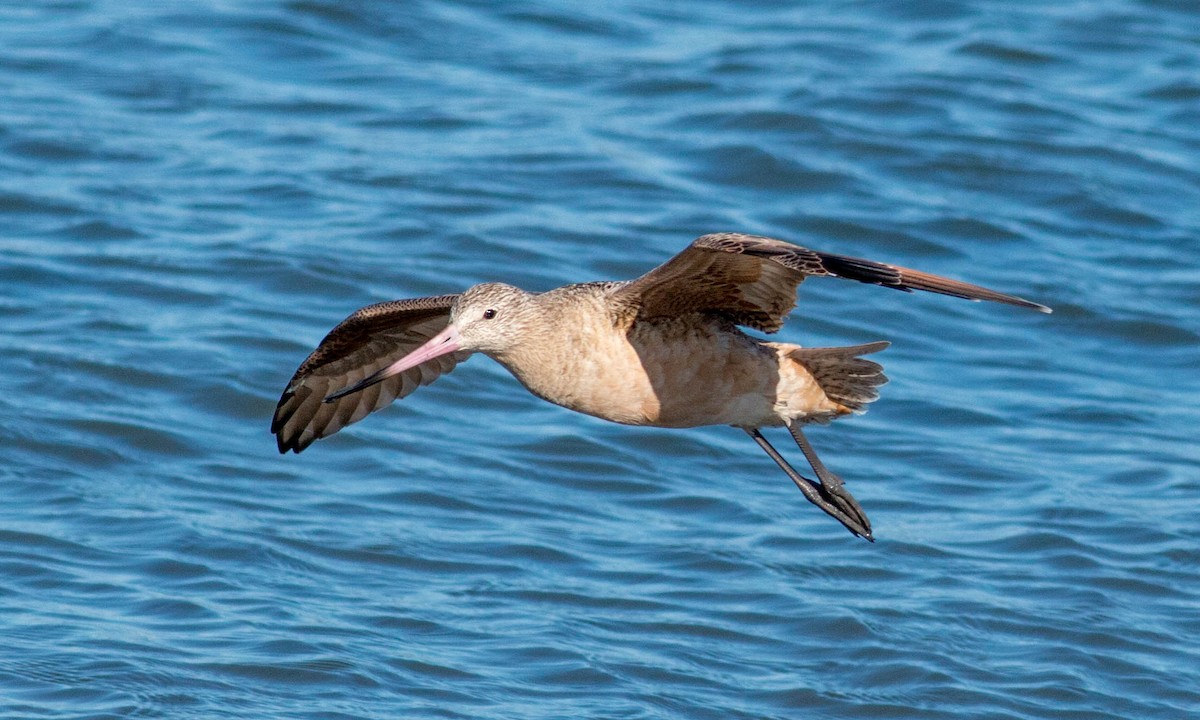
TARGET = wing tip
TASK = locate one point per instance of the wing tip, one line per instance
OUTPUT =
(1027, 304)
(293, 443)
(285, 442)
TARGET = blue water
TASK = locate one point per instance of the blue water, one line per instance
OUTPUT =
(193, 193)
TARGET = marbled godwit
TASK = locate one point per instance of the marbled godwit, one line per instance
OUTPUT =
(662, 350)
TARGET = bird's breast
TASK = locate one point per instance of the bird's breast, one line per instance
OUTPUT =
(666, 374)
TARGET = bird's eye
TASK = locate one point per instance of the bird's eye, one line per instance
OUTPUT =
(489, 313)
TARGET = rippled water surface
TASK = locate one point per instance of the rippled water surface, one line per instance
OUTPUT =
(193, 193)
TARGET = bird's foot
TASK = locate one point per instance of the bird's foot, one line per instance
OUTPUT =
(832, 488)
(830, 495)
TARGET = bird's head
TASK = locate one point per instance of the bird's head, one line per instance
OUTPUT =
(489, 318)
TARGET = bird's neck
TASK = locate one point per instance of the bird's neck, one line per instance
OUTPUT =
(561, 346)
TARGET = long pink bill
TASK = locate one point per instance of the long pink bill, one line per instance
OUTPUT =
(447, 341)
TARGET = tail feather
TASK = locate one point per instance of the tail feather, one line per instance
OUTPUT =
(844, 376)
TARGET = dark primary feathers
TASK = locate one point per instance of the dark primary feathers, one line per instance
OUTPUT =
(752, 280)
(371, 338)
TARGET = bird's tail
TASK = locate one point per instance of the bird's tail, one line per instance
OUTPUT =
(845, 377)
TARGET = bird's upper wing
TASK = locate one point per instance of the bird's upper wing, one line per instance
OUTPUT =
(752, 280)
(370, 339)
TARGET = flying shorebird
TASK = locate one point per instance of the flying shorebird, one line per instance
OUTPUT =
(662, 350)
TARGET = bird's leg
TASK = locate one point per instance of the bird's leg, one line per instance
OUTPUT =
(816, 493)
(833, 488)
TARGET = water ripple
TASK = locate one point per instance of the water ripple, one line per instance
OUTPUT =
(192, 195)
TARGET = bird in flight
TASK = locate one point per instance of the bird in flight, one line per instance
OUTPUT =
(664, 350)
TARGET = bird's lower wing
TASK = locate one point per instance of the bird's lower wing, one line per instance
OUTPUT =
(370, 339)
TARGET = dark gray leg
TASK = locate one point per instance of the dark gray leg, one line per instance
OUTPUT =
(834, 489)
(834, 504)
